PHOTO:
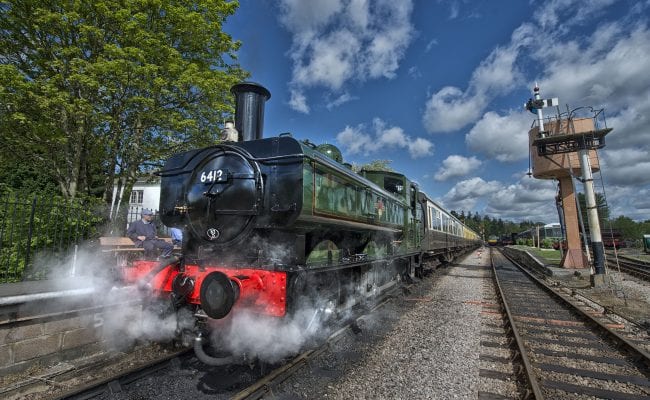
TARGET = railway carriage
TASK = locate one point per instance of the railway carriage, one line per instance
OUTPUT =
(274, 224)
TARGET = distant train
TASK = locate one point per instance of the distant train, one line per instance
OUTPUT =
(272, 225)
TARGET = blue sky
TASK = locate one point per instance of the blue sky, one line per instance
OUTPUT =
(438, 87)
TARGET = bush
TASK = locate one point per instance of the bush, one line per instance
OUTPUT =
(44, 226)
(547, 243)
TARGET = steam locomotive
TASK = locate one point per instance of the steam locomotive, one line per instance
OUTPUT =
(274, 224)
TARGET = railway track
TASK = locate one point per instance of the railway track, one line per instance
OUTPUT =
(265, 385)
(98, 375)
(562, 351)
(633, 267)
(499, 362)
(260, 378)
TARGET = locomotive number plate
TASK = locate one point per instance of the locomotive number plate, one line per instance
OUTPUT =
(214, 175)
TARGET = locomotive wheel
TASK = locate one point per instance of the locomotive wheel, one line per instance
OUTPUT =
(325, 251)
(312, 292)
(375, 250)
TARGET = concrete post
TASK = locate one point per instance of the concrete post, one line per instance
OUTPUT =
(573, 257)
(598, 279)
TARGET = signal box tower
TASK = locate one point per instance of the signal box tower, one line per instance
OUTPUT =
(562, 148)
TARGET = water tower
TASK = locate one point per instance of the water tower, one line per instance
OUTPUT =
(564, 147)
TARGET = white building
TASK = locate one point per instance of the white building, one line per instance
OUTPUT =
(145, 194)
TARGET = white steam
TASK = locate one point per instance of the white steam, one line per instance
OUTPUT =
(267, 338)
(123, 317)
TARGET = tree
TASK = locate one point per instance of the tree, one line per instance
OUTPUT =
(629, 229)
(601, 206)
(108, 88)
(375, 165)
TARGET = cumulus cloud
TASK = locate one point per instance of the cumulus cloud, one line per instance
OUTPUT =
(466, 194)
(585, 61)
(625, 166)
(355, 140)
(456, 166)
(629, 201)
(526, 199)
(450, 108)
(630, 125)
(609, 70)
(609, 64)
(335, 41)
(502, 137)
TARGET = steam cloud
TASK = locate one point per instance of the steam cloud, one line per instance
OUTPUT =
(126, 319)
(123, 321)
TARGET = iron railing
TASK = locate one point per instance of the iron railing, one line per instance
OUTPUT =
(41, 236)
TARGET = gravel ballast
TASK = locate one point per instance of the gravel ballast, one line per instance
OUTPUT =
(424, 345)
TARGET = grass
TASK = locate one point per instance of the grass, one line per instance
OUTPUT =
(550, 255)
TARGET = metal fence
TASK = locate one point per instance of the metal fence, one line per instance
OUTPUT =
(40, 236)
(38, 228)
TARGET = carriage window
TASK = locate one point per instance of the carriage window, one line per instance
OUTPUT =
(436, 219)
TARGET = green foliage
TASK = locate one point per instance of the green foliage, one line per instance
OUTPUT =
(547, 243)
(41, 226)
(94, 90)
(630, 230)
(375, 165)
(601, 206)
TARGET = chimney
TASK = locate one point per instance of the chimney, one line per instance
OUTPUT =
(249, 109)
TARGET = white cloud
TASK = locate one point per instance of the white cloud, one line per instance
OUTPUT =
(629, 201)
(330, 63)
(605, 65)
(450, 108)
(342, 99)
(583, 59)
(355, 140)
(466, 194)
(456, 166)
(337, 41)
(529, 199)
(630, 125)
(308, 16)
(298, 102)
(625, 166)
(432, 42)
(526, 199)
(610, 68)
(502, 137)
(414, 73)
(613, 76)
(561, 15)
(420, 147)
